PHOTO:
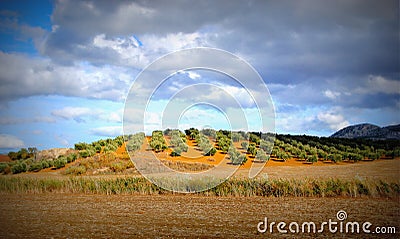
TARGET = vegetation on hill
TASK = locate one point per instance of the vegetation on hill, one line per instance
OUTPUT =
(239, 146)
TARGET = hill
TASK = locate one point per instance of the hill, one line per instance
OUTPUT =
(368, 131)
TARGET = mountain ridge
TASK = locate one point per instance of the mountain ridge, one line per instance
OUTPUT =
(368, 131)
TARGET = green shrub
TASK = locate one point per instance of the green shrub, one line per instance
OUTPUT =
(47, 163)
(19, 167)
(312, 158)
(84, 153)
(261, 155)
(3, 166)
(245, 145)
(211, 152)
(60, 162)
(110, 148)
(251, 149)
(76, 170)
(71, 158)
(118, 167)
(81, 146)
(36, 166)
(135, 141)
(97, 147)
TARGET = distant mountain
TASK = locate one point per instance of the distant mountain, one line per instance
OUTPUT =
(369, 131)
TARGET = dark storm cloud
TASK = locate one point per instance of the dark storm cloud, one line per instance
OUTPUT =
(286, 40)
(311, 53)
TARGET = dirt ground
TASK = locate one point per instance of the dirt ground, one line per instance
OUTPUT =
(383, 169)
(4, 158)
(182, 216)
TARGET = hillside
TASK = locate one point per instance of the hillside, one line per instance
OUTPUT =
(368, 131)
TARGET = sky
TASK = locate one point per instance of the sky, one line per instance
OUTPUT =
(67, 66)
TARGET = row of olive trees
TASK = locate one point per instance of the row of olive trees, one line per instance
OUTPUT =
(100, 146)
(178, 141)
(291, 148)
(23, 153)
(134, 141)
(205, 145)
(224, 142)
(157, 141)
(31, 165)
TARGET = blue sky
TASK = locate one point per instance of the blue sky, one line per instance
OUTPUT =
(67, 66)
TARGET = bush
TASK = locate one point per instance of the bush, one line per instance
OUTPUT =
(236, 157)
(118, 167)
(47, 163)
(71, 158)
(252, 149)
(312, 158)
(239, 159)
(178, 141)
(335, 157)
(211, 152)
(245, 145)
(266, 145)
(19, 167)
(76, 170)
(81, 146)
(110, 148)
(135, 141)
(84, 154)
(261, 155)
(157, 142)
(36, 166)
(236, 137)
(22, 154)
(60, 162)
(3, 167)
(254, 138)
(97, 147)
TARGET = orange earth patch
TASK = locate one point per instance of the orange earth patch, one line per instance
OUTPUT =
(4, 158)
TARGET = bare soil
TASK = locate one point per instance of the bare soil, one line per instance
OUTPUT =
(4, 158)
(181, 216)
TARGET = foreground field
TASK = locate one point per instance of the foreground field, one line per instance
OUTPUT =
(108, 198)
(185, 216)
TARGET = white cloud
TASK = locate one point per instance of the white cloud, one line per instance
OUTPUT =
(24, 76)
(10, 141)
(79, 114)
(333, 119)
(109, 131)
(75, 113)
(331, 94)
(193, 75)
